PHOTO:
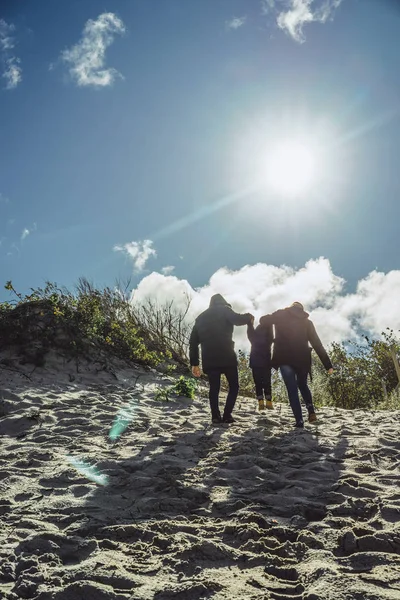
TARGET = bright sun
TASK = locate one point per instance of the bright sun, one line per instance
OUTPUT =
(291, 168)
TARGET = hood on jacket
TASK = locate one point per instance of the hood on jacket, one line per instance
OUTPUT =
(218, 300)
(297, 310)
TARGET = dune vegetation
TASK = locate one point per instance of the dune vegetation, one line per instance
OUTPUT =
(109, 323)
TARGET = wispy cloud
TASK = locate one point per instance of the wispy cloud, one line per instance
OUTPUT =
(292, 15)
(14, 249)
(293, 20)
(12, 73)
(11, 64)
(139, 252)
(86, 59)
(167, 270)
(28, 231)
(267, 6)
(236, 22)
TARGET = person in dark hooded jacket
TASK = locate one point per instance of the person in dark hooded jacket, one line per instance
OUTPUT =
(213, 331)
(261, 339)
(292, 355)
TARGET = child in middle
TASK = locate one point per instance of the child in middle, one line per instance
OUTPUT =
(261, 339)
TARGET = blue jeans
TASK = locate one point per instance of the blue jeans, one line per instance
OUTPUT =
(295, 382)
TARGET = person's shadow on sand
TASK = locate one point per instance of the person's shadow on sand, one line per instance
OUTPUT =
(185, 503)
(281, 475)
(203, 498)
(242, 489)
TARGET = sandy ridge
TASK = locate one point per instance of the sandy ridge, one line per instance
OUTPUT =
(176, 508)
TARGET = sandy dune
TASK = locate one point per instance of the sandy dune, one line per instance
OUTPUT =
(170, 507)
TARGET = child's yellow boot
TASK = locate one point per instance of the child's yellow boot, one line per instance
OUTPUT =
(268, 404)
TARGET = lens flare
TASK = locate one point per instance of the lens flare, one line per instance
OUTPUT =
(89, 471)
(121, 422)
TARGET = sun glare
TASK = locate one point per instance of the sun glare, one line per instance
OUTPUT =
(291, 168)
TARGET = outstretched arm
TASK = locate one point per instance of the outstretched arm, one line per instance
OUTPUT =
(237, 319)
(318, 347)
(269, 320)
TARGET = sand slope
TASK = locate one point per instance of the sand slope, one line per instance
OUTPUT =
(176, 508)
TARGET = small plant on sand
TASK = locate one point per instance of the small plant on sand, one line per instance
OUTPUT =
(163, 394)
(183, 387)
(170, 369)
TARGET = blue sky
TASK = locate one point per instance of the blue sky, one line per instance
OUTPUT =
(155, 155)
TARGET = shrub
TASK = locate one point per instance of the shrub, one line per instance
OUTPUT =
(166, 328)
(182, 387)
(185, 387)
(54, 317)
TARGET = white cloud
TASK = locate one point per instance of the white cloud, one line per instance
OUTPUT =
(163, 288)
(167, 270)
(293, 15)
(6, 38)
(236, 22)
(26, 231)
(139, 252)
(12, 71)
(295, 18)
(262, 288)
(375, 302)
(267, 6)
(87, 57)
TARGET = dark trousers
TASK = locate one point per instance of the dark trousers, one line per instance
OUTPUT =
(262, 381)
(214, 377)
(294, 382)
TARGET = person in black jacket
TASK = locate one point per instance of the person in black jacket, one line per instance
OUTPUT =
(213, 331)
(292, 355)
(261, 339)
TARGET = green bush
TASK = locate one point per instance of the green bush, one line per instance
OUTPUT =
(102, 319)
(185, 387)
(182, 387)
(364, 375)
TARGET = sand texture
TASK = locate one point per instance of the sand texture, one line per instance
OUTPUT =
(170, 507)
